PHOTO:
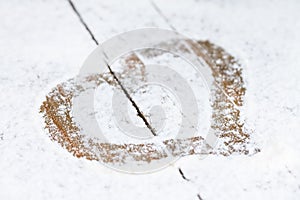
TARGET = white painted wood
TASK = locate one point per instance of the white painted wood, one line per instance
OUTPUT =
(43, 43)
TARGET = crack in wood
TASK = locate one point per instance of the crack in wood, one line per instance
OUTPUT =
(182, 175)
(140, 114)
(138, 110)
(199, 197)
(82, 21)
(159, 11)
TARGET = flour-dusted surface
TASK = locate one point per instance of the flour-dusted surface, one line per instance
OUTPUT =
(43, 44)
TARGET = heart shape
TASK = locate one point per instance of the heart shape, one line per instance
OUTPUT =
(229, 129)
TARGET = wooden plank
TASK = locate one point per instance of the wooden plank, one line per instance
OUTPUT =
(47, 47)
(251, 32)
